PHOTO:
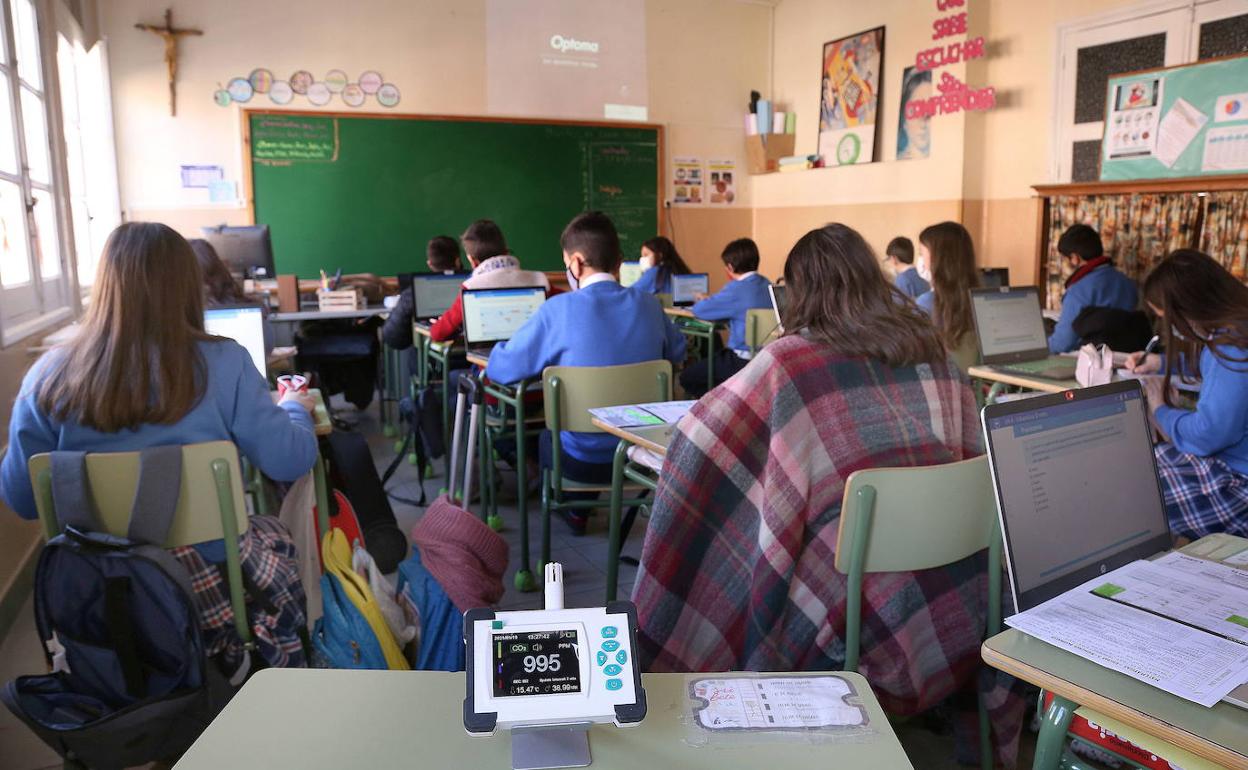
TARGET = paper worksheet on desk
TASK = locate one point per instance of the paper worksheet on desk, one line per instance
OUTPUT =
(643, 415)
(775, 703)
(1178, 623)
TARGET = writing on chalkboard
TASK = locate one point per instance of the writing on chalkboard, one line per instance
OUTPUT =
(283, 139)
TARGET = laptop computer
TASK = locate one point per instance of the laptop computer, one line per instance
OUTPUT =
(994, 277)
(686, 288)
(494, 315)
(1077, 489)
(629, 273)
(434, 293)
(777, 302)
(1010, 330)
(245, 325)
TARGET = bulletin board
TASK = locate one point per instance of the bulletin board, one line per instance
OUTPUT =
(1182, 121)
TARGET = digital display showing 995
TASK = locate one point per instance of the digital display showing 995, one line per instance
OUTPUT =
(536, 663)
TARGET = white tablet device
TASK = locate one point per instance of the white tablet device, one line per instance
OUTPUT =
(551, 667)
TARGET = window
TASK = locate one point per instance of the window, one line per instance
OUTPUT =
(1154, 34)
(35, 287)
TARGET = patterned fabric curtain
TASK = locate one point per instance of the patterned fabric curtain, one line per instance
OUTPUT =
(1225, 236)
(1138, 231)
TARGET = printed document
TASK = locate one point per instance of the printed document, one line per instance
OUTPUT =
(643, 415)
(775, 703)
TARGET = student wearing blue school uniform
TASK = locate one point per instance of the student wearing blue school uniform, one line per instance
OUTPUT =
(745, 290)
(1095, 284)
(1203, 463)
(660, 261)
(599, 323)
(899, 257)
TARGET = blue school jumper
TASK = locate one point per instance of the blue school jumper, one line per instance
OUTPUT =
(650, 284)
(602, 324)
(1103, 287)
(911, 283)
(236, 406)
(731, 303)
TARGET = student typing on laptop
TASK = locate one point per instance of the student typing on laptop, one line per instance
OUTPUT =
(1203, 463)
(441, 256)
(600, 323)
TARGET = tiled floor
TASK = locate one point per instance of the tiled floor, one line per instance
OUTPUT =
(584, 563)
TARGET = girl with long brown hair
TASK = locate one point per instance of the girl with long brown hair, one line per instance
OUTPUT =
(220, 288)
(142, 372)
(1203, 312)
(659, 261)
(946, 260)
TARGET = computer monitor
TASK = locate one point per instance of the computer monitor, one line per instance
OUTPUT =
(994, 277)
(629, 273)
(777, 302)
(1077, 487)
(246, 251)
(434, 293)
(685, 288)
(1009, 324)
(494, 315)
(245, 325)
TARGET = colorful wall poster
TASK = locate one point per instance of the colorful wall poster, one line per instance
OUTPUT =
(686, 180)
(1231, 107)
(849, 99)
(914, 126)
(303, 84)
(722, 186)
(1134, 117)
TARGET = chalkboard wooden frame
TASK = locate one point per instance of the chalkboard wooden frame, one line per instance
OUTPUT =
(245, 116)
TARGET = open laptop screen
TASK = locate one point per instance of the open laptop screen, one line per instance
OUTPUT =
(434, 293)
(777, 302)
(493, 315)
(244, 325)
(629, 273)
(1009, 324)
(685, 288)
(1076, 484)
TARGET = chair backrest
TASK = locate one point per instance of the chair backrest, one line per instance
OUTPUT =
(571, 391)
(665, 300)
(966, 354)
(916, 518)
(208, 469)
(760, 326)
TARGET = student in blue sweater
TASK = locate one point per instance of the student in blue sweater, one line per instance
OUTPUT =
(1203, 464)
(599, 323)
(745, 290)
(142, 372)
(660, 261)
(1095, 283)
(899, 257)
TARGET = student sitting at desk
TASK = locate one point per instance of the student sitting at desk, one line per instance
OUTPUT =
(946, 259)
(141, 372)
(441, 256)
(1095, 284)
(899, 258)
(1203, 464)
(599, 323)
(220, 288)
(492, 268)
(746, 289)
(660, 261)
(736, 570)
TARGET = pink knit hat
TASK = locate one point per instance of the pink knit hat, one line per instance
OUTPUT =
(463, 554)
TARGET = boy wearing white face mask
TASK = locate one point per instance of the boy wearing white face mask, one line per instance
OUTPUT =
(600, 323)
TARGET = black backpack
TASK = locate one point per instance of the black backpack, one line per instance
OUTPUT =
(131, 683)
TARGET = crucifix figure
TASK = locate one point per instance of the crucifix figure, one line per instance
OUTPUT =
(170, 34)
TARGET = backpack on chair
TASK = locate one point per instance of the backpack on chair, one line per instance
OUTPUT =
(130, 681)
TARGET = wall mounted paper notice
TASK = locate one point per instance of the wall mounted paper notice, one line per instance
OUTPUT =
(1161, 623)
(201, 176)
(1226, 149)
(722, 187)
(1131, 128)
(687, 177)
(776, 703)
(222, 191)
(1230, 108)
(1178, 128)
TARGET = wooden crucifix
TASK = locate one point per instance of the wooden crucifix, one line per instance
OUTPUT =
(170, 35)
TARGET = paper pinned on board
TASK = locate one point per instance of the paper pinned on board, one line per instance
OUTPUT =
(1178, 128)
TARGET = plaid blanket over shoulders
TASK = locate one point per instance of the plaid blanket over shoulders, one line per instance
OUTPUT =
(737, 566)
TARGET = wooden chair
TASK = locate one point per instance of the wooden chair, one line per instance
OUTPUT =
(916, 518)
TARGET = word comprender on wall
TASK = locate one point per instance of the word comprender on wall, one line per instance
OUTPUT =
(954, 96)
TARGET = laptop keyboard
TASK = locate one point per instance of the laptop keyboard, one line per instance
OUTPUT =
(1045, 367)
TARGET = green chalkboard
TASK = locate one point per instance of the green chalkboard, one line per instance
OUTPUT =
(366, 192)
(1177, 122)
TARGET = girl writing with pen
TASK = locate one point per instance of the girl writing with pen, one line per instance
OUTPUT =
(1203, 464)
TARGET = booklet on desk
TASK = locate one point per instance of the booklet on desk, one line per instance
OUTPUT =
(643, 415)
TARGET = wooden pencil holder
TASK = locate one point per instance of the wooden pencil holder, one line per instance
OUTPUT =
(339, 299)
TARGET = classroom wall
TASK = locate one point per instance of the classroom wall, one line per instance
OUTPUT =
(703, 56)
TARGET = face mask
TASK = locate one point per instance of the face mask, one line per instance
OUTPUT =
(647, 263)
(924, 269)
(572, 281)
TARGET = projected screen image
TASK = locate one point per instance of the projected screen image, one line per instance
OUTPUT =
(567, 58)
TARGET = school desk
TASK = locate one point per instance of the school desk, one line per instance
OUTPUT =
(328, 315)
(698, 330)
(1218, 734)
(655, 439)
(312, 719)
(323, 425)
(1000, 379)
